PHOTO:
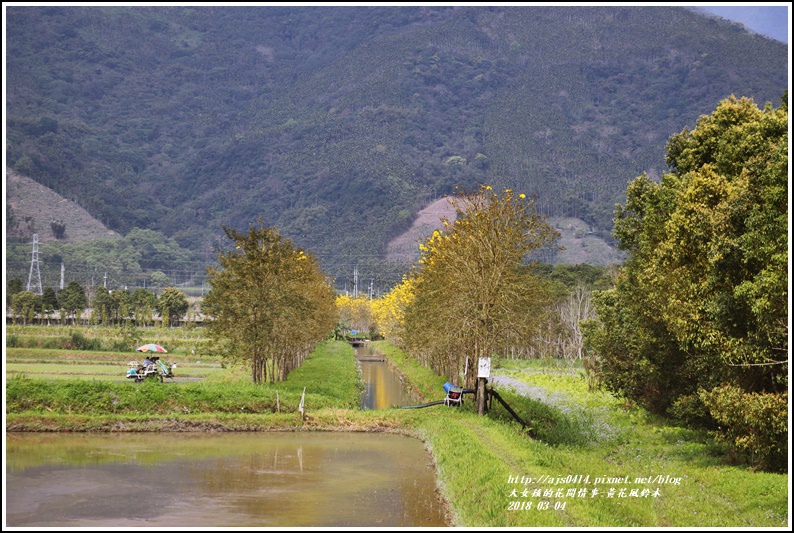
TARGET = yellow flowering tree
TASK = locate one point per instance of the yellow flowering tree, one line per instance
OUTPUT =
(356, 313)
(270, 303)
(388, 312)
(474, 293)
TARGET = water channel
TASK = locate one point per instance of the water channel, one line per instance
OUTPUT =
(383, 387)
(264, 479)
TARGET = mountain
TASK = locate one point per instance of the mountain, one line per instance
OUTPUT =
(339, 124)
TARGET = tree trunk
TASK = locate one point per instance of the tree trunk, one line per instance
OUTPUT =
(481, 396)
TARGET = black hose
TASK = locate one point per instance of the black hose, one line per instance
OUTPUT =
(439, 402)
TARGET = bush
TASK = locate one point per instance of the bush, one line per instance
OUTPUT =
(121, 345)
(50, 343)
(78, 341)
(755, 425)
(691, 410)
(12, 341)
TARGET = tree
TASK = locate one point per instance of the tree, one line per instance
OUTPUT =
(474, 294)
(701, 304)
(355, 312)
(72, 299)
(103, 306)
(159, 279)
(172, 304)
(270, 303)
(24, 305)
(13, 286)
(143, 304)
(122, 304)
(389, 311)
(49, 302)
(575, 309)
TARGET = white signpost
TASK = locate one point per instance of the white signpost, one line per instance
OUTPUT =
(483, 373)
(484, 368)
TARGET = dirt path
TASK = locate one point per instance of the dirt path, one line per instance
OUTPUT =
(592, 423)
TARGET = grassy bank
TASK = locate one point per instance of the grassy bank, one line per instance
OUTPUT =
(680, 478)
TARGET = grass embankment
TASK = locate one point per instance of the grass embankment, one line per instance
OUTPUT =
(680, 478)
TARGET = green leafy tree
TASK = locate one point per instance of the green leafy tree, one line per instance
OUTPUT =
(155, 250)
(13, 286)
(143, 304)
(159, 279)
(270, 303)
(24, 305)
(172, 304)
(701, 303)
(122, 304)
(103, 306)
(473, 288)
(49, 301)
(73, 299)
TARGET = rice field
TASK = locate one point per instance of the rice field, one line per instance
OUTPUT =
(53, 364)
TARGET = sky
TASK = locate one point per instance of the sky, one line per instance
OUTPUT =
(772, 20)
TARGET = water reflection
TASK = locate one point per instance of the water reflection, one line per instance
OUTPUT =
(383, 387)
(229, 480)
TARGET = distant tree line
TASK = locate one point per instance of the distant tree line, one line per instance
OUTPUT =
(108, 307)
(142, 258)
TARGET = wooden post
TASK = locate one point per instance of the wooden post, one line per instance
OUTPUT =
(481, 396)
(301, 406)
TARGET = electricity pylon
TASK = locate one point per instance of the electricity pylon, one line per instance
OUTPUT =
(34, 280)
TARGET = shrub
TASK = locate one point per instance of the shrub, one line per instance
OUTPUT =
(78, 341)
(691, 410)
(755, 425)
(121, 345)
(50, 343)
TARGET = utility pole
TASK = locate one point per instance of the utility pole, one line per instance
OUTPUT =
(34, 278)
(63, 271)
(355, 282)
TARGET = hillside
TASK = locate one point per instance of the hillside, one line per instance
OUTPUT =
(32, 207)
(405, 247)
(338, 125)
(579, 243)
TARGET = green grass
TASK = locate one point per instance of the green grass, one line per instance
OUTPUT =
(711, 493)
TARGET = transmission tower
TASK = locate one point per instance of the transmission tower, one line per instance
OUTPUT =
(34, 284)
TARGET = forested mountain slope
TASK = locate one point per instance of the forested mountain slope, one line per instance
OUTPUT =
(338, 124)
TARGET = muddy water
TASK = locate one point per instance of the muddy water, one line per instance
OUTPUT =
(219, 480)
(383, 387)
